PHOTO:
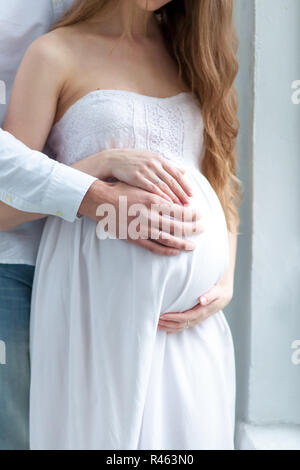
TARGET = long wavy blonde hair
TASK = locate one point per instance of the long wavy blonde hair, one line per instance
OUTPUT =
(200, 36)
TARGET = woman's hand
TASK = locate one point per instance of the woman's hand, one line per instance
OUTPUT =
(150, 172)
(142, 169)
(217, 298)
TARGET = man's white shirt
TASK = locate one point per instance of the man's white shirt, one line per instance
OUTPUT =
(29, 180)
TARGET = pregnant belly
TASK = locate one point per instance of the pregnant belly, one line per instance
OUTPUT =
(71, 257)
(191, 274)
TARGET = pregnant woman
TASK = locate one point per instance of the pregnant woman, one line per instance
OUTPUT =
(158, 76)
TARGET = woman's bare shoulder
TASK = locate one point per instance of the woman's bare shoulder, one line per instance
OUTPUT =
(53, 48)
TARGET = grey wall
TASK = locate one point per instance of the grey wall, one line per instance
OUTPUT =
(239, 311)
(274, 379)
(265, 312)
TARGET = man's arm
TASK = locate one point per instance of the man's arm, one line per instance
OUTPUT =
(30, 182)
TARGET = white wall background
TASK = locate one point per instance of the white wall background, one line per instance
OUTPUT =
(265, 312)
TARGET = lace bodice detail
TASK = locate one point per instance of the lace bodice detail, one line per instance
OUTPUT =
(103, 119)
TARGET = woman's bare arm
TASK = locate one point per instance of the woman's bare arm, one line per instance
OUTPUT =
(36, 91)
(10, 217)
(32, 107)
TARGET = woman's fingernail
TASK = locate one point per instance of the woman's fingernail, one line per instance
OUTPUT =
(190, 247)
(203, 300)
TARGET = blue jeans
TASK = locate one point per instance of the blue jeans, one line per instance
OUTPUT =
(15, 296)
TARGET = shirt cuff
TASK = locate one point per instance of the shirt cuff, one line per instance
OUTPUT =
(67, 190)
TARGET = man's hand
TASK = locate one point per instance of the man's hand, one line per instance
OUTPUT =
(109, 193)
(217, 298)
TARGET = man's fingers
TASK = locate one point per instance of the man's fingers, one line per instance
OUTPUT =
(170, 246)
(155, 248)
(177, 212)
(173, 242)
(179, 229)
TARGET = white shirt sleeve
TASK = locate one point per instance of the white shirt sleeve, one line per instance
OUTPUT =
(30, 181)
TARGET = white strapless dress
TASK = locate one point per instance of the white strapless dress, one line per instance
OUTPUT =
(103, 376)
